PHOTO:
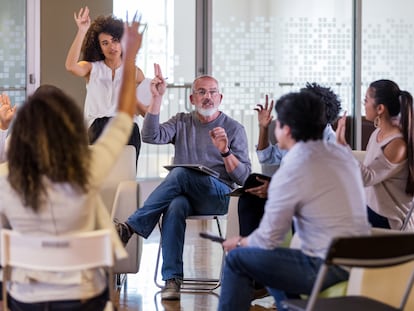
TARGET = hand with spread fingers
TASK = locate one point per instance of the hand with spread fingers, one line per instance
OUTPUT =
(7, 112)
(264, 113)
(82, 19)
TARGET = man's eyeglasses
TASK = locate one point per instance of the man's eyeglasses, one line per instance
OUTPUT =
(203, 92)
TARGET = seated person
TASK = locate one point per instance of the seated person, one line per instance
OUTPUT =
(7, 113)
(52, 186)
(205, 136)
(251, 204)
(387, 170)
(321, 192)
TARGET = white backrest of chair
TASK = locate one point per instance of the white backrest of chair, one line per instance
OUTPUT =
(359, 154)
(57, 253)
(125, 167)
(123, 170)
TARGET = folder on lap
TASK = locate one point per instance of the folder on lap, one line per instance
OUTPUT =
(198, 167)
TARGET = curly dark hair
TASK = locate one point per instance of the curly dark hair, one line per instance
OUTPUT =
(328, 97)
(48, 143)
(91, 48)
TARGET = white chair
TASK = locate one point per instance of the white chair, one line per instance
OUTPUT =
(57, 254)
(119, 193)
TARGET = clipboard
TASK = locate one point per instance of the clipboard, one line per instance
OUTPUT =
(250, 182)
(197, 167)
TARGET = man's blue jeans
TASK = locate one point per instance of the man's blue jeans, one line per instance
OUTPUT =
(281, 270)
(182, 193)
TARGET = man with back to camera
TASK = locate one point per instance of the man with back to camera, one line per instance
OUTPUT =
(205, 136)
(322, 193)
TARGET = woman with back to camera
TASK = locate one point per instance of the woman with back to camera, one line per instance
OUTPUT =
(101, 66)
(51, 186)
(387, 169)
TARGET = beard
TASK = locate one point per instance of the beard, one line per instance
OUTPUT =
(207, 112)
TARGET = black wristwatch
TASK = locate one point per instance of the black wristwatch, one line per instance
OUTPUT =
(226, 154)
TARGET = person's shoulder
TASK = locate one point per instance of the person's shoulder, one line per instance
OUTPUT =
(139, 75)
(396, 150)
(226, 118)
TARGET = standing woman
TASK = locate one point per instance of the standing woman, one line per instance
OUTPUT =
(388, 169)
(101, 67)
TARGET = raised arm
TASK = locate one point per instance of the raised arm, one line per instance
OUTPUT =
(264, 116)
(72, 64)
(131, 43)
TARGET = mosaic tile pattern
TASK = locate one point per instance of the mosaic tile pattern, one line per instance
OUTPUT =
(13, 50)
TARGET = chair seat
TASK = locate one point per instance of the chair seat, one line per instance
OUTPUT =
(347, 303)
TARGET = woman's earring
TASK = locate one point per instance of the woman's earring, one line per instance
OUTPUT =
(377, 121)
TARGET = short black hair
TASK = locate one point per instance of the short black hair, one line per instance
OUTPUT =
(304, 113)
(328, 98)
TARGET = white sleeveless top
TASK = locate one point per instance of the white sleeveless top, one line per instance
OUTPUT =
(102, 92)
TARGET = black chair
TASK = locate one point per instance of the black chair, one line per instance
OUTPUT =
(364, 252)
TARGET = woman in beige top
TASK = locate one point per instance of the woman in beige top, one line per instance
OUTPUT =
(387, 170)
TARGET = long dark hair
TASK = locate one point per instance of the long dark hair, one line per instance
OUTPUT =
(48, 142)
(398, 102)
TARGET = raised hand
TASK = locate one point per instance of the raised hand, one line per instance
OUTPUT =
(131, 42)
(158, 84)
(132, 39)
(264, 113)
(82, 19)
(7, 112)
(340, 130)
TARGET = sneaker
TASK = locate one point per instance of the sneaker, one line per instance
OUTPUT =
(260, 293)
(171, 290)
(123, 230)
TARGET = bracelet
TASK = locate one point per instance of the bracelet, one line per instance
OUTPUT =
(239, 242)
(226, 154)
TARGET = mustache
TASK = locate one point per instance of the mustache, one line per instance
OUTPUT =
(208, 101)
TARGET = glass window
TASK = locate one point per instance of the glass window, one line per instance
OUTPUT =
(169, 40)
(13, 50)
(387, 43)
(276, 46)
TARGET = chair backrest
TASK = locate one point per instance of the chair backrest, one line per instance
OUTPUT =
(124, 169)
(373, 251)
(56, 253)
(380, 250)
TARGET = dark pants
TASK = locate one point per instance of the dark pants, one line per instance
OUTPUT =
(250, 210)
(376, 220)
(98, 125)
(93, 304)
